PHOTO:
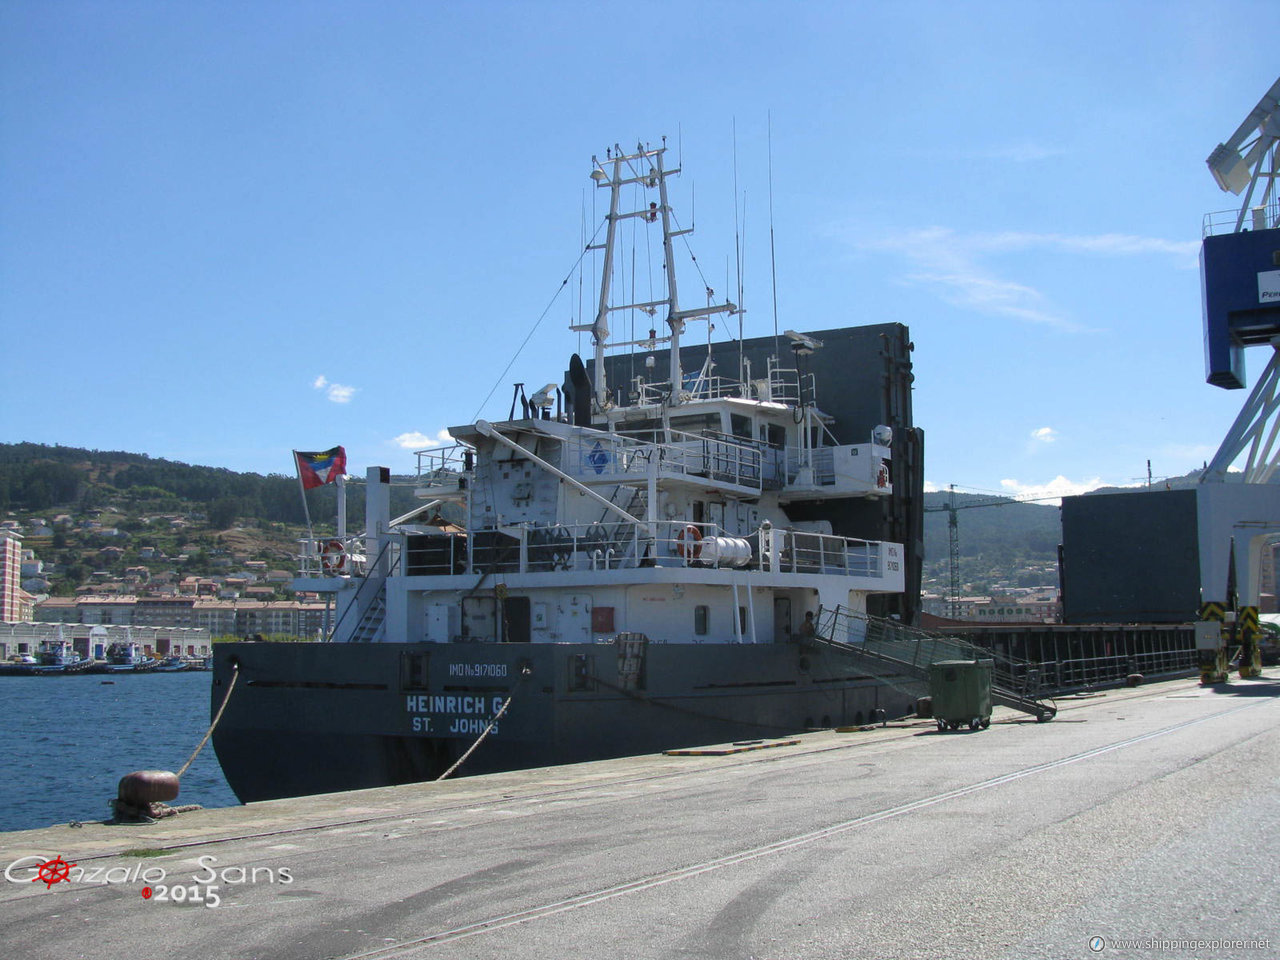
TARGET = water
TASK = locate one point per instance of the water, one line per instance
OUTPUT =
(66, 741)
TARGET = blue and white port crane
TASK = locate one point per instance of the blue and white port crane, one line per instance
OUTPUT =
(1240, 287)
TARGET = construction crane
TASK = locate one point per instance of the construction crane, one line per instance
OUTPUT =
(953, 531)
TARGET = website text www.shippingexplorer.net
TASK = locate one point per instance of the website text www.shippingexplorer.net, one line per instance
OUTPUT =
(1212, 945)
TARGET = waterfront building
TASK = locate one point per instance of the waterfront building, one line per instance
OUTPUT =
(92, 640)
(11, 592)
(236, 618)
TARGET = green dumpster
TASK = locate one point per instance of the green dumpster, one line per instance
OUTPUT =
(961, 693)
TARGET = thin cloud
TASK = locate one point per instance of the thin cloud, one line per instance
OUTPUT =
(1039, 439)
(334, 392)
(1185, 253)
(416, 440)
(957, 266)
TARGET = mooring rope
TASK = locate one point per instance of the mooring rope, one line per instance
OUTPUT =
(524, 673)
(235, 675)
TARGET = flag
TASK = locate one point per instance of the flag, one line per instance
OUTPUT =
(317, 469)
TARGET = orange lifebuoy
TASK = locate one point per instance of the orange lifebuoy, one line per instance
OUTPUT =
(689, 542)
(334, 557)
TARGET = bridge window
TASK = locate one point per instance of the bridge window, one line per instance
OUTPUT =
(697, 423)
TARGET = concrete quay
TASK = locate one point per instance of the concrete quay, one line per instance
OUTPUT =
(1139, 823)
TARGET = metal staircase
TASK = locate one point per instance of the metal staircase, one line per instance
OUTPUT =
(372, 626)
(901, 656)
(616, 538)
(369, 604)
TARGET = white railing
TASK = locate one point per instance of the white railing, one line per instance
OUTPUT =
(592, 454)
(1257, 218)
(444, 467)
(595, 455)
(697, 387)
(793, 551)
(331, 556)
(607, 545)
(784, 387)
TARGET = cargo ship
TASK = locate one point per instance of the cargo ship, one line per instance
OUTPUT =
(631, 562)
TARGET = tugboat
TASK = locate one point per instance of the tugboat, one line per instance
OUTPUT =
(57, 657)
(127, 657)
(632, 571)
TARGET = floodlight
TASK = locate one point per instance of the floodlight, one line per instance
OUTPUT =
(543, 399)
(1228, 169)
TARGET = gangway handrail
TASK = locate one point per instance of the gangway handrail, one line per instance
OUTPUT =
(926, 648)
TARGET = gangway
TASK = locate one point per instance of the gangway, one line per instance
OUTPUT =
(901, 655)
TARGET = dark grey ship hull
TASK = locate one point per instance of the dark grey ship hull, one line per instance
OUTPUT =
(309, 718)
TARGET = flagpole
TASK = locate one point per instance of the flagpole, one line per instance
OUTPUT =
(311, 537)
(342, 508)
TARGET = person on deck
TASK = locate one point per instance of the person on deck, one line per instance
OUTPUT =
(807, 629)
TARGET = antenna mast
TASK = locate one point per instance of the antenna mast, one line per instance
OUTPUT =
(643, 167)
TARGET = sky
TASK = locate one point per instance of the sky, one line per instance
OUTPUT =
(233, 229)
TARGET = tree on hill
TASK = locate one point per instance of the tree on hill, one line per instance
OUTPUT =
(37, 476)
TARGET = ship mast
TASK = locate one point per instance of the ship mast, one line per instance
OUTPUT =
(643, 167)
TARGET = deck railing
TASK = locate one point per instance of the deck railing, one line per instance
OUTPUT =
(332, 556)
(606, 545)
(595, 455)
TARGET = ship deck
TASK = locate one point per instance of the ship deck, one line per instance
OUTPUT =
(1143, 814)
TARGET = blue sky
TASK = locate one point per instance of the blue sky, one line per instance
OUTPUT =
(232, 229)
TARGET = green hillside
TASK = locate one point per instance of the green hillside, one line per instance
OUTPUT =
(1000, 542)
(127, 510)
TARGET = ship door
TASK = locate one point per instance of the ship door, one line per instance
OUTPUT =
(781, 619)
(715, 514)
(478, 619)
(517, 620)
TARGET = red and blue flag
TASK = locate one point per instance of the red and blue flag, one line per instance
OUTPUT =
(317, 469)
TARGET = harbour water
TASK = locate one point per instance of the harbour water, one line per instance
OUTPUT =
(67, 741)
